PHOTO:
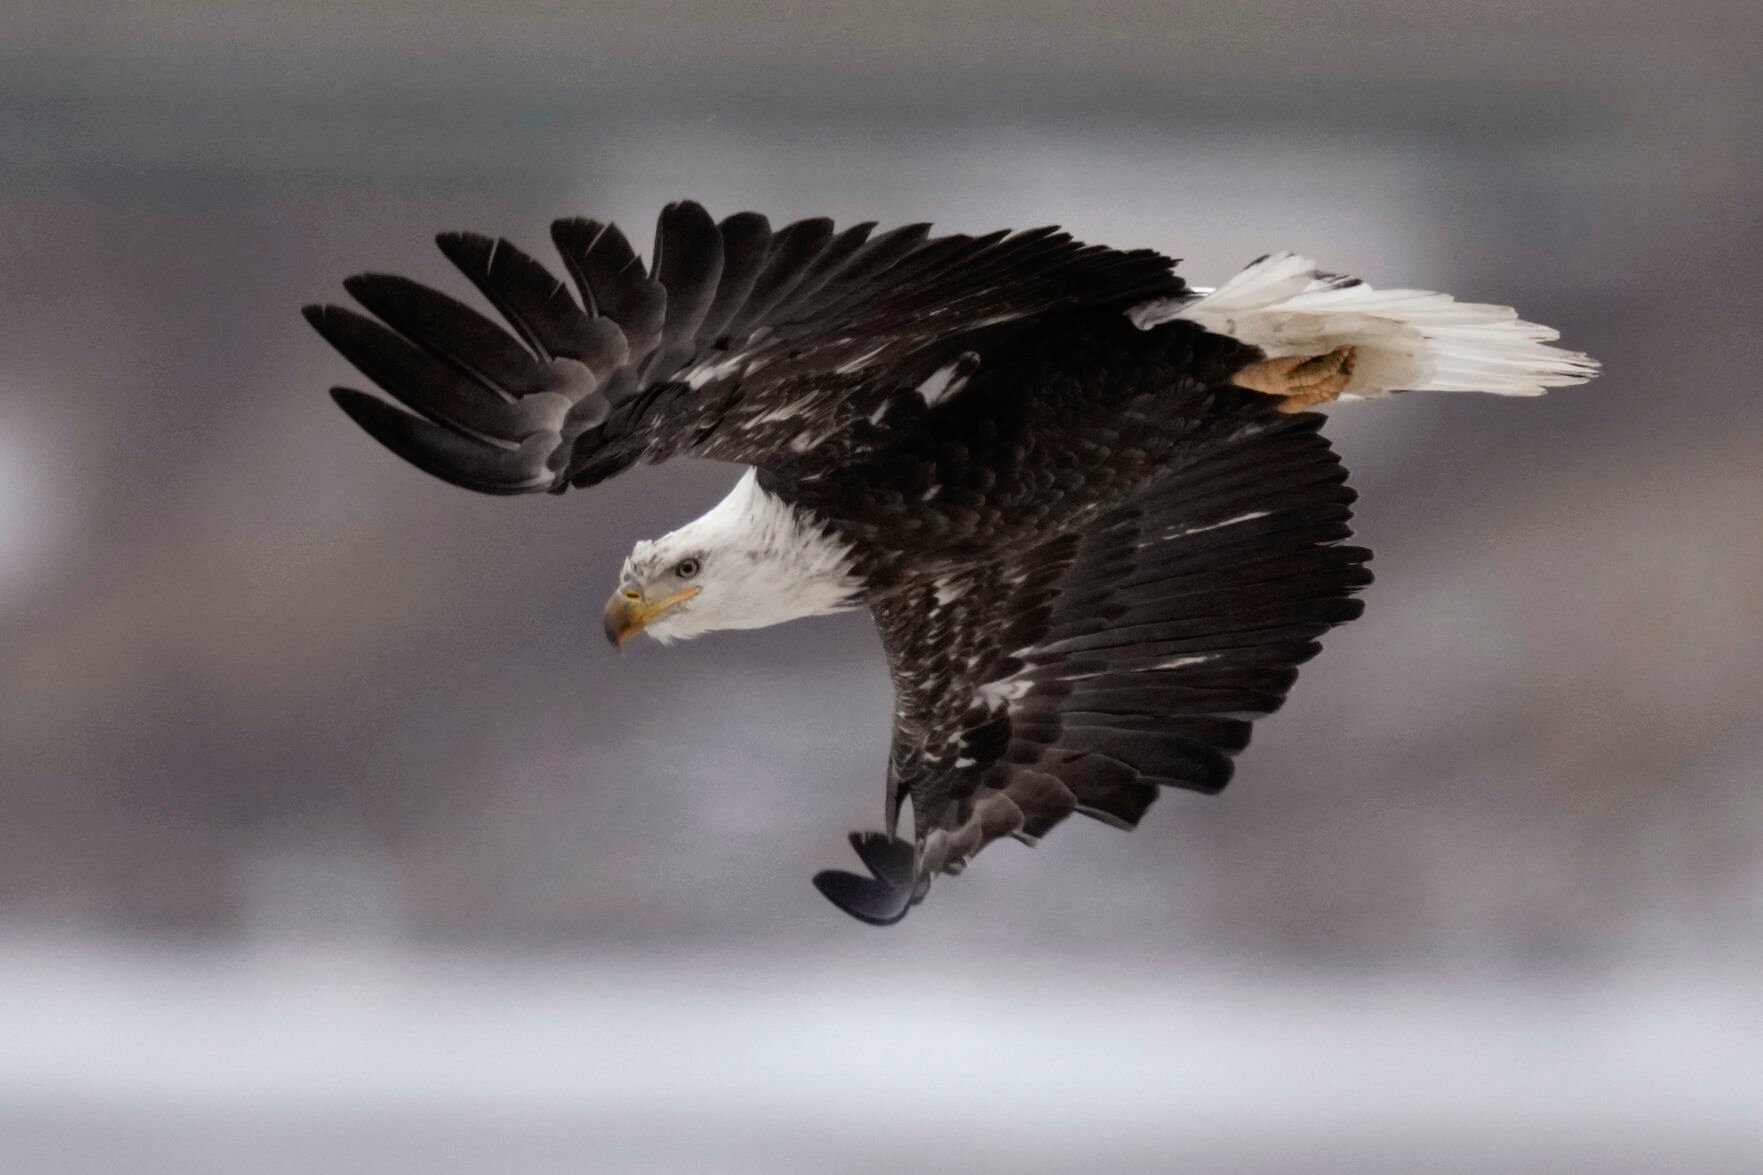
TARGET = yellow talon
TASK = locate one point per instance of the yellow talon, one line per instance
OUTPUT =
(1304, 381)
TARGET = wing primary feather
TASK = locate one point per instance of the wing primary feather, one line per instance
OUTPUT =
(688, 264)
(450, 331)
(435, 389)
(877, 256)
(824, 269)
(793, 249)
(446, 454)
(612, 279)
(746, 240)
(537, 306)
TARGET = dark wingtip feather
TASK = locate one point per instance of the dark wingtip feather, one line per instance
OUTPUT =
(442, 453)
(539, 308)
(463, 243)
(470, 252)
(864, 898)
(888, 857)
(451, 331)
(314, 313)
(793, 251)
(688, 264)
(612, 280)
(746, 242)
(882, 899)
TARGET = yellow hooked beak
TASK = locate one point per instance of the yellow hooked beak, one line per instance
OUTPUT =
(629, 612)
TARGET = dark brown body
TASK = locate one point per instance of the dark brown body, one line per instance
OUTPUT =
(1063, 419)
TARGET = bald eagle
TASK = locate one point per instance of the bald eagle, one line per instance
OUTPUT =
(1088, 507)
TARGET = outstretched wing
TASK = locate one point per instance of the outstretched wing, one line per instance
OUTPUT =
(1091, 671)
(738, 343)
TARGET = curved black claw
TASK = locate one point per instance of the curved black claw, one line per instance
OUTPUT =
(880, 900)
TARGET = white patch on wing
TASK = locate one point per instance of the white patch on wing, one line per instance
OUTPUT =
(1414, 340)
(948, 589)
(785, 411)
(1001, 693)
(1182, 532)
(1188, 659)
(861, 361)
(698, 376)
(948, 379)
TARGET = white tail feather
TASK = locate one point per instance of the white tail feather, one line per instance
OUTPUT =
(1407, 340)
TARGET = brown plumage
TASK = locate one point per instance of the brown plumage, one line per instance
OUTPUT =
(1095, 550)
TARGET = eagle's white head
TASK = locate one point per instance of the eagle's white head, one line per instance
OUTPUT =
(753, 560)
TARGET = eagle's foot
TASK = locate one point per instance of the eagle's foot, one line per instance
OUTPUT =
(1303, 381)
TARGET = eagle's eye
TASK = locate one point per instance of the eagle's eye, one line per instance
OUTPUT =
(686, 568)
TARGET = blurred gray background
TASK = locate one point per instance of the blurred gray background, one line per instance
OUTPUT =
(332, 837)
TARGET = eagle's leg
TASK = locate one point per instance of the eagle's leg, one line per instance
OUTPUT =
(1303, 380)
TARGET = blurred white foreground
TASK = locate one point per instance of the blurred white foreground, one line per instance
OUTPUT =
(116, 1060)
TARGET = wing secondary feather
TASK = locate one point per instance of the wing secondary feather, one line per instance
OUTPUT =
(1089, 673)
